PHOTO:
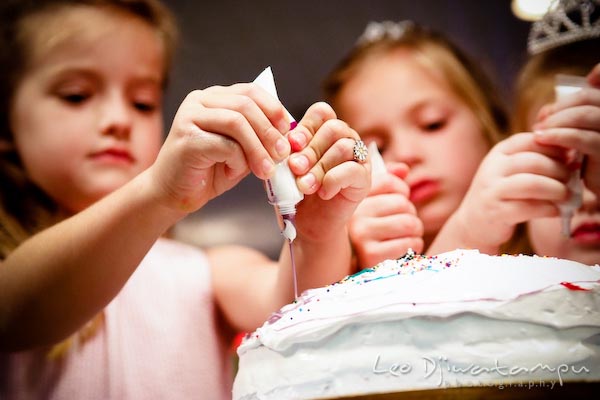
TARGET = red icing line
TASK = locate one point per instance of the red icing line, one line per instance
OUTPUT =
(572, 286)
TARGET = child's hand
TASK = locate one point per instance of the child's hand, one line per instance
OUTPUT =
(574, 123)
(333, 183)
(218, 136)
(517, 181)
(385, 225)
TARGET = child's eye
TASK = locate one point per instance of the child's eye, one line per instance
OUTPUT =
(144, 107)
(75, 98)
(434, 126)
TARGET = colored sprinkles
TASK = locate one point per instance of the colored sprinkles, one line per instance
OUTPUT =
(409, 264)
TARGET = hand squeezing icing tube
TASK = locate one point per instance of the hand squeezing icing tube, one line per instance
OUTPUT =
(281, 188)
(567, 84)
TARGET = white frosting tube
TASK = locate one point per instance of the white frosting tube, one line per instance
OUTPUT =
(281, 188)
(565, 85)
(377, 164)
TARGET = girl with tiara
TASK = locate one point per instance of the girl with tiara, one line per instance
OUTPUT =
(570, 122)
(526, 185)
(403, 87)
(433, 114)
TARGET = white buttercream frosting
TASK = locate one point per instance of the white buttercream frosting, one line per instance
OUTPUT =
(420, 322)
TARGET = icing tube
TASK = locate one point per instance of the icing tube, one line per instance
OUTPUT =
(565, 85)
(266, 81)
(281, 188)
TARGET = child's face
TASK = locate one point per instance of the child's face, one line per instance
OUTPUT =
(584, 243)
(87, 115)
(414, 118)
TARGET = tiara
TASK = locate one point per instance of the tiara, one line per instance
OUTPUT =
(566, 21)
(376, 31)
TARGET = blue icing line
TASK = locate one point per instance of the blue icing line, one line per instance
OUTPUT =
(362, 272)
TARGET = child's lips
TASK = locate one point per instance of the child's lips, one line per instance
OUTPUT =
(587, 233)
(423, 190)
(113, 155)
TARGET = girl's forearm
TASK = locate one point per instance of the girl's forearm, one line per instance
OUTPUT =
(60, 278)
(454, 235)
(249, 287)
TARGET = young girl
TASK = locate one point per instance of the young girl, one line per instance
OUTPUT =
(93, 302)
(524, 177)
(572, 122)
(425, 105)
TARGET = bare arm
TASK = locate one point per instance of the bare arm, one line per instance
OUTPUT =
(249, 287)
(60, 278)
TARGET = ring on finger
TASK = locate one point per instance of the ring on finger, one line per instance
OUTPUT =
(359, 151)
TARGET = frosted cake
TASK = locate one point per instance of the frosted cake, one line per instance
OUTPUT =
(458, 319)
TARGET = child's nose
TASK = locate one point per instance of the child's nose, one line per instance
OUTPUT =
(404, 149)
(116, 117)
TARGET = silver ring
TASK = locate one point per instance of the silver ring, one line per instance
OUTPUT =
(360, 151)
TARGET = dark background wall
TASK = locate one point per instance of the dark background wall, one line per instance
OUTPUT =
(226, 41)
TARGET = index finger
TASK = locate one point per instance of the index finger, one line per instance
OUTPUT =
(313, 119)
(583, 98)
(526, 142)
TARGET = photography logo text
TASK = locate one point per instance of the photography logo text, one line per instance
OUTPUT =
(446, 373)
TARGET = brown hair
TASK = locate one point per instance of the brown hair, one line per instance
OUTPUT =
(24, 208)
(436, 53)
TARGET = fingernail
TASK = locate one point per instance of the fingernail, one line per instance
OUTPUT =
(299, 162)
(297, 140)
(282, 146)
(308, 181)
(268, 166)
(283, 126)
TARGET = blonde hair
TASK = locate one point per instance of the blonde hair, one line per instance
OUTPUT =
(435, 53)
(24, 208)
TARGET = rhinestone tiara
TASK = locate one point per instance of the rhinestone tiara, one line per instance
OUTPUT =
(566, 21)
(376, 31)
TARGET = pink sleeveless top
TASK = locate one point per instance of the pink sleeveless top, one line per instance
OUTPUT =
(159, 341)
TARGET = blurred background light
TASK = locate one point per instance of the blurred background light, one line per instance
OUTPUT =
(531, 10)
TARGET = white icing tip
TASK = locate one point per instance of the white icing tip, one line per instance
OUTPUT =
(289, 230)
(377, 164)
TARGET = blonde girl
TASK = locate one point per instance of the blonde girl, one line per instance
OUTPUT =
(94, 302)
(433, 114)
